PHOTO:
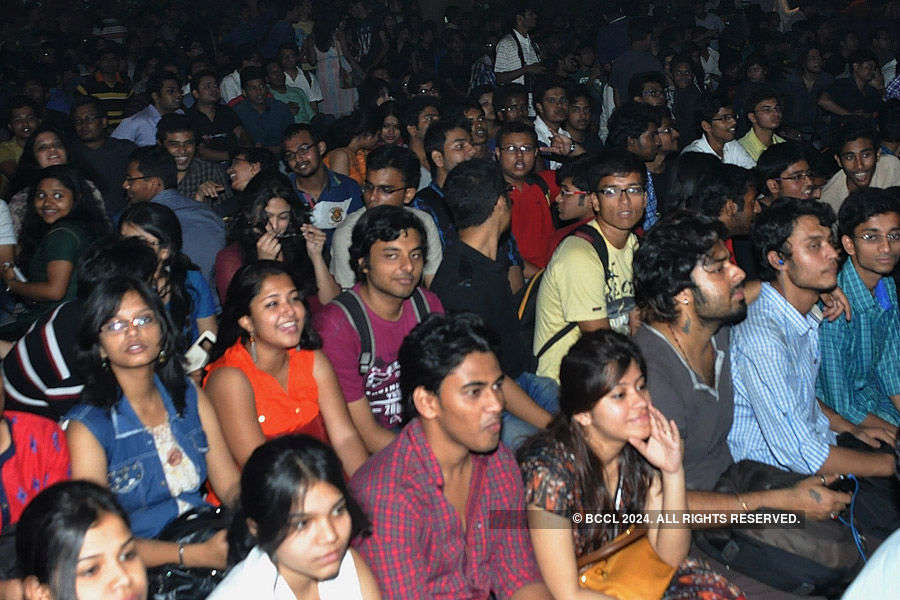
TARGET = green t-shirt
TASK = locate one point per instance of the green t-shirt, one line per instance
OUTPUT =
(62, 242)
(296, 95)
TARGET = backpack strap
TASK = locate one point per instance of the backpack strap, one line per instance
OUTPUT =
(420, 304)
(556, 337)
(353, 307)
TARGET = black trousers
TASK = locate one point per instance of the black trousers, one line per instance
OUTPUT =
(877, 506)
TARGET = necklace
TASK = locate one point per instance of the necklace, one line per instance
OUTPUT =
(684, 354)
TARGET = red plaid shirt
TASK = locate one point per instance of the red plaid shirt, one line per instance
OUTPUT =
(418, 548)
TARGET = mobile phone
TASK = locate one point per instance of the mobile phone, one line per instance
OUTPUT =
(197, 355)
(842, 484)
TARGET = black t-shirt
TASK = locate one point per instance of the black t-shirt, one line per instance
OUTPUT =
(217, 134)
(470, 281)
(108, 164)
(849, 97)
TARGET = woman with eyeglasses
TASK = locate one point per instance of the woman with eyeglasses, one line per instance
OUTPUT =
(247, 163)
(274, 225)
(144, 430)
(300, 520)
(74, 543)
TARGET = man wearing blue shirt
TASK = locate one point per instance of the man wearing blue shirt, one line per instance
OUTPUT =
(264, 118)
(860, 373)
(331, 197)
(775, 360)
(140, 128)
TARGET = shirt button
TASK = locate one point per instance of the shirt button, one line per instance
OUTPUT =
(297, 410)
(262, 418)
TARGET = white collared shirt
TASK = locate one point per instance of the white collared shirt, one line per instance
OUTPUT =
(544, 134)
(309, 86)
(734, 153)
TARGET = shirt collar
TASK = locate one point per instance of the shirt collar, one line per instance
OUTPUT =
(856, 291)
(698, 385)
(522, 38)
(428, 461)
(775, 304)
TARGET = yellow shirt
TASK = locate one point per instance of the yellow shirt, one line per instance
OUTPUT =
(9, 150)
(574, 288)
(754, 147)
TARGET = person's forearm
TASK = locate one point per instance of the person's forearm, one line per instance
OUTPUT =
(699, 501)
(43, 290)
(510, 76)
(673, 544)
(376, 437)
(328, 287)
(521, 405)
(875, 421)
(157, 552)
(896, 401)
(860, 463)
(836, 422)
(825, 102)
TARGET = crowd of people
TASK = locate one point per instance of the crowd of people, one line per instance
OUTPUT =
(390, 303)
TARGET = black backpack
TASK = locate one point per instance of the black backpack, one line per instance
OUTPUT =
(528, 304)
(353, 307)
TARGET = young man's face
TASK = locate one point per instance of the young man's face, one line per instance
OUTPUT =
(516, 153)
(647, 145)
(138, 187)
(275, 75)
(302, 155)
(22, 122)
(573, 203)
(182, 146)
(767, 114)
(741, 221)
(722, 126)
(619, 200)
(288, 58)
(457, 148)
(813, 261)
(682, 75)
(813, 62)
(478, 128)
(169, 97)
(858, 158)
(668, 136)
(394, 268)
(486, 101)
(386, 186)
(428, 115)
(870, 249)
(89, 124)
(794, 182)
(652, 94)
(255, 91)
(516, 109)
(470, 403)
(719, 287)
(553, 108)
(579, 114)
(864, 71)
(207, 90)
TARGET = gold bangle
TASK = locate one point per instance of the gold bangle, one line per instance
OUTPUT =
(742, 503)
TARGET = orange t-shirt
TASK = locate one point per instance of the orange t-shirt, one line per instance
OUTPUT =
(280, 411)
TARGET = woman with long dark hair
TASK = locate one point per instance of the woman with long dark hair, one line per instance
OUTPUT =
(143, 429)
(350, 140)
(301, 520)
(390, 117)
(268, 376)
(608, 450)
(60, 223)
(274, 225)
(179, 283)
(74, 543)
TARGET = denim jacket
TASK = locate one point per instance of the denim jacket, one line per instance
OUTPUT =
(134, 471)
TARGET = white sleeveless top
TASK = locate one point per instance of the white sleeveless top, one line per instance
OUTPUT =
(257, 577)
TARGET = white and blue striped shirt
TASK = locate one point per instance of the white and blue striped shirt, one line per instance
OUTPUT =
(774, 364)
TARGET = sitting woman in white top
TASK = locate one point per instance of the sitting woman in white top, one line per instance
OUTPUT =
(299, 520)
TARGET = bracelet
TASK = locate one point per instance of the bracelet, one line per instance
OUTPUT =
(180, 554)
(742, 503)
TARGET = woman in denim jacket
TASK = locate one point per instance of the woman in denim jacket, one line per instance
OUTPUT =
(144, 430)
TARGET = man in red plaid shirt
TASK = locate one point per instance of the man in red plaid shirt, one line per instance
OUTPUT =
(436, 493)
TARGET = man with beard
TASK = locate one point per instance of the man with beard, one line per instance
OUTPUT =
(579, 120)
(775, 360)
(862, 165)
(860, 373)
(785, 172)
(715, 116)
(478, 129)
(552, 105)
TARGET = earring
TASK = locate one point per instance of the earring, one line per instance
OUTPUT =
(253, 348)
(780, 261)
(162, 357)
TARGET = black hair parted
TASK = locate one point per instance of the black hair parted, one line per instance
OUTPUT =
(400, 158)
(776, 224)
(777, 158)
(630, 121)
(153, 161)
(471, 191)
(853, 128)
(434, 348)
(665, 259)
(862, 205)
(383, 223)
(614, 162)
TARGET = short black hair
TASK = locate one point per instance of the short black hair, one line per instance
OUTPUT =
(80, 101)
(414, 108)
(777, 158)
(861, 56)
(580, 91)
(383, 223)
(154, 161)
(22, 101)
(155, 83)
(546, 83)
(250, 73)
(471, 191)
(295, 128)
(717, 187)
(195, 81)
(577, 170)
(400, 158)
(513, 127)
(614, 162)
(638, 29)
(862, 205)
(775, 225)
(629, 121)
(707, 107)
(434, 348)
(173, 123)
(889, 120)
(638, 81)
(436, 137)
(503, 93)
(664, 261)
(853, 128)
(257, 155)
(757, 94)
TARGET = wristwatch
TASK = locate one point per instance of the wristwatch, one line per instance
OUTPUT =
(571, 147)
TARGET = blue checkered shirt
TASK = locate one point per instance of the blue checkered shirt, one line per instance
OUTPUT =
(774, 362)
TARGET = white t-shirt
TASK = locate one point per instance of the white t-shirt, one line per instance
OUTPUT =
(734, 153)
(7, 230)
(257, 578)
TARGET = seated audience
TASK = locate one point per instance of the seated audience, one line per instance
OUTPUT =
(389, 116)
(246, 164)
(859, 377)
(293, 488)
(273, 226)
(165, 98)
(75, 543)
(391, 178)
(862, 165)
(634, 128)
(134, 382)
(268, 377)
(764, 113)
(23, 119)
(785, 172)
(387, 250)
(418, 115)
(217, 127)
(294, 97)
(264, 118)
(352, 138)
(445, 477)
(718, 121)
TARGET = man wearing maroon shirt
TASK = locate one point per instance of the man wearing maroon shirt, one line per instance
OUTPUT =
(435, 493)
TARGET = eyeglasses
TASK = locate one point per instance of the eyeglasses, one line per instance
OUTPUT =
(566, 194)
(728, 117)
(875, 238)
(652, 93)
(802, 175)
(119, 326)
(665, 131)
(130, 179)
(383, 190)
(561, 101)
(301, 151)
(513, 149)
(612, 192)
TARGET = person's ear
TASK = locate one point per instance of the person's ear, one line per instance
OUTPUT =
(246, 324)
(595, 202)
(751, 116)
(583, 418)
(847, 243)
(321, 147)
(773, 186)
(251, 527)
(35, 590)
(426, 403)
(255, 168)
(684, 297)
(776, 261)
(165, 253)
(409, 195)
(706, 126)
(837, 159)
(363, 263)
(411, 131)
(195, 94)
(730, 209)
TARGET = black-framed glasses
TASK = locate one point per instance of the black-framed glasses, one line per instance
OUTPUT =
(301, 151)
(800, 176)
(728, 117)
(383, 190)
(130, 179)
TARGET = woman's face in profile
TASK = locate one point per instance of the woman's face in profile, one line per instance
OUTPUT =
(108, 566)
